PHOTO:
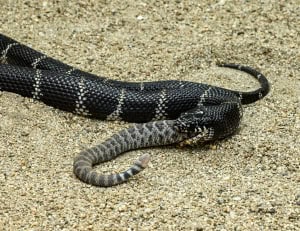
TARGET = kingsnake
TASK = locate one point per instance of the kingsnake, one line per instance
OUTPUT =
(166, 112)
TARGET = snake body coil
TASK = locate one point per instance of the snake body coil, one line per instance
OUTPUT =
(179, 110)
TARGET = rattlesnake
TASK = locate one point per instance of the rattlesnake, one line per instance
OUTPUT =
(166, 111)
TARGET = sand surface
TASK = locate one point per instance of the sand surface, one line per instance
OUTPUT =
(250, 181)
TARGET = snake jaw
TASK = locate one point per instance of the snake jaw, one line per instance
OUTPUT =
(193, 121)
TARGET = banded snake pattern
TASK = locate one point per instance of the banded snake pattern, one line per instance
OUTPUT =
(165, 112)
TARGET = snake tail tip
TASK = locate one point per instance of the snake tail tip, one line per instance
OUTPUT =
(144, 160)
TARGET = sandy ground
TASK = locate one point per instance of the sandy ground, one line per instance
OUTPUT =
(248, 181)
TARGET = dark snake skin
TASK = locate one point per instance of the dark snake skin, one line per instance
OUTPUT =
(171, 111)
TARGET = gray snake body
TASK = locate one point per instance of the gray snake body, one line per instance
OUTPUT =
(179, 110)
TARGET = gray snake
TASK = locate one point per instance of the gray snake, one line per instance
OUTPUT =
(167, 112)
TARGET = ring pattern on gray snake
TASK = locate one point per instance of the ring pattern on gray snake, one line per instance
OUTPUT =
(166, 112)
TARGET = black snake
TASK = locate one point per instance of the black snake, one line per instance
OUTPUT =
(167, 111)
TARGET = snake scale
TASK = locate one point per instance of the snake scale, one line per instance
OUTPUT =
(165, 112)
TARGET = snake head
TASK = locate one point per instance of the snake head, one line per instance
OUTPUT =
(194, 121)
(210, 122)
